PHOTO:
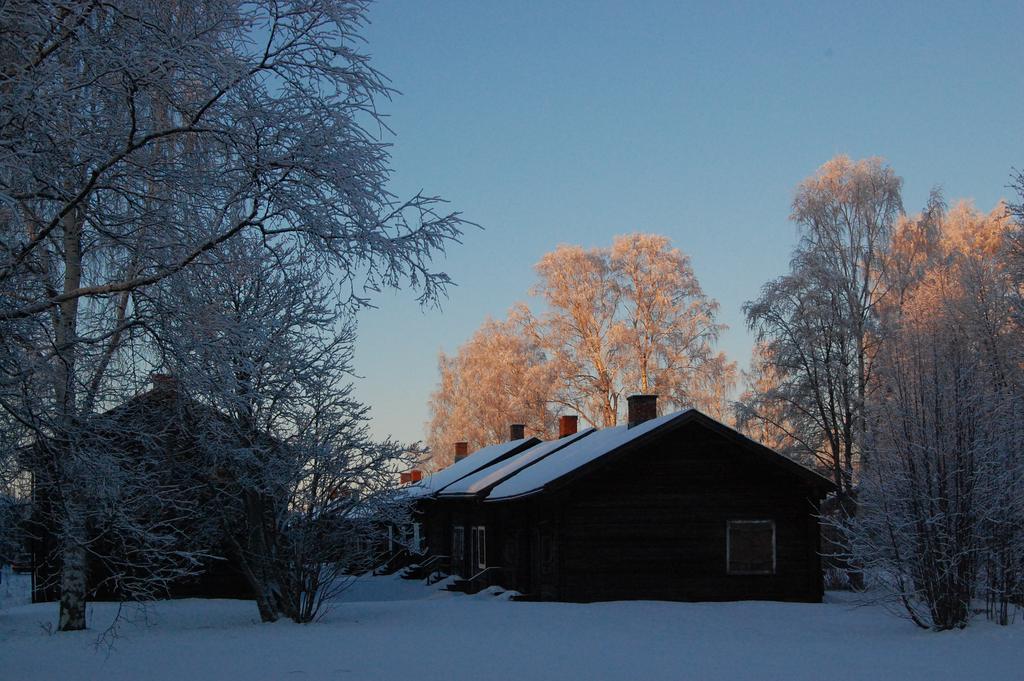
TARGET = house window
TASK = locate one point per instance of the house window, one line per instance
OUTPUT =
(480, 547)
(458, 543)
(750, 547)
(417, 538)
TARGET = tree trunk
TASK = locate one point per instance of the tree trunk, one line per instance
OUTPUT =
(266, 602)
(71, 520)
(255, 548)
(73, 574)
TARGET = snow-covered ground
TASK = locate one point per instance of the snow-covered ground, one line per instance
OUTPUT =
(386, 628)
(14, 589)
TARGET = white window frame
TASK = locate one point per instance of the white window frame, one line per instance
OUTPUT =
(479, 548)
(458, 543)
(728, 557)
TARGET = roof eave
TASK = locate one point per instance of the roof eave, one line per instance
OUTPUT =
(459, 496)
(515, 497)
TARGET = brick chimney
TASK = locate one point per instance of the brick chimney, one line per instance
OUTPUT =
(164, 382)
(641, 408)
(567, 424)
(461, 451)
(516, 431)
(415, 475)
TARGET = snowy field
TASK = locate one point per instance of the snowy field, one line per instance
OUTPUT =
(14, 590)
(386, 628)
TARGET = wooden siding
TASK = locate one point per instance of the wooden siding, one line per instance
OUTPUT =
(649, 524)
(653, 525)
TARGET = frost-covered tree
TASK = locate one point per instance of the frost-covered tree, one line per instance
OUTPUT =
(136, 136)
(800, 324)
(298, 485)
(668, 328)
(763, 416)
(626, 319)
(496, 378)
(939, 523)
(1014, 254)
(578, 332)
(819, 321)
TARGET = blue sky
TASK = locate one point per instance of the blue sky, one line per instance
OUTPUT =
(571, 122)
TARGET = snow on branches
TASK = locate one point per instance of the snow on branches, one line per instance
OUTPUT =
(139, 138)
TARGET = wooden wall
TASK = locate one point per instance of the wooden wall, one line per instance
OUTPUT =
(649, 525)
(653, 525)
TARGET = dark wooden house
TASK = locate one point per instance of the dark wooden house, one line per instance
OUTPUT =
(162, 422)
(679, 507)
(430, 534)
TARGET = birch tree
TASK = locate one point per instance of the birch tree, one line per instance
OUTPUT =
(939, 522)
(626, 319)
(580, 331)
(137, 136)
(847, 212)
(296, 481)
(668, 328)
(620, 320)
(819, 321)
(764, 415)
(1014, 254)
(496, 378)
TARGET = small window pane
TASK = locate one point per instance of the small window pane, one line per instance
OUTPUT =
(481, 547)
(751, 547)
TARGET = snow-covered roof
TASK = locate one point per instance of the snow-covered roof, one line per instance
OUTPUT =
(495, 473)
(481, 458)
(581, 452)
